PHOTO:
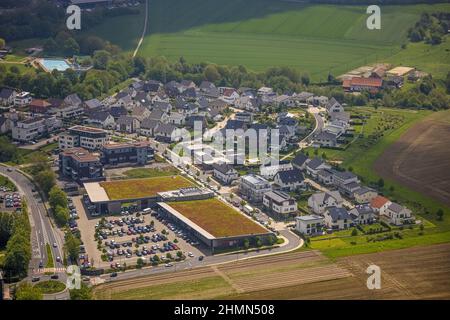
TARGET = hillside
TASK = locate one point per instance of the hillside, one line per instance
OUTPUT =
(262, 33)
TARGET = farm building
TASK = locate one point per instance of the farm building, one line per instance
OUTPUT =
(215, 223)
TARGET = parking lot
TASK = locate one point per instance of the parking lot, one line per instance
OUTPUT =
(133, 234)
(9, 201)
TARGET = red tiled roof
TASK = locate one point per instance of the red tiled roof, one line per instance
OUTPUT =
(366, 82)
(378, 202)
(39, 103)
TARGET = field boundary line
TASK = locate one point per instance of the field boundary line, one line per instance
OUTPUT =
(227, 279)
(143, 31)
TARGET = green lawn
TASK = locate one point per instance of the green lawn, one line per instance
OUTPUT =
(194, 289)
(50, 287)
(151, 172)
(50, 263)
(5, 182)
(262, 33)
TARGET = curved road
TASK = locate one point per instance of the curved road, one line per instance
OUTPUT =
(42, 231)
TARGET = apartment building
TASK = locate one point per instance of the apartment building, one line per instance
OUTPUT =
(80, 165)
(82, 136)
(138, 153)
(34, 128)
(253, 187)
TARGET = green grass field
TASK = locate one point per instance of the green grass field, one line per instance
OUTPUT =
(262, 33)
(151, 172)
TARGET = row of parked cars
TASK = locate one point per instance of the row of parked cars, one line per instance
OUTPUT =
(179, 232)
(11, 200)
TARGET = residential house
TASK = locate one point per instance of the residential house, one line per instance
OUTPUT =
(225, 173)
(39, 106)
(4, 125)
(397, 214)
(325, 176)
(269, 170)
(265, 91)
(118, 111)
(159, 115)
(124, 99)
(166, 132)
(325, 139)
(320, 201)
(300, 161)
(229, 95)
(289, 180)
(337, 218)
(379, 204)
(140, 113)
(364, 195)
(341, 178)
(313, 166)
(310, 225)
(93, 104)
(246, 117)
(101, 119)
(253, 187)
(280, 203)
(176, 118)
(198, 121)
(22, 99)
(333, 106)
(148, 127)
(319, 101)
(73, 100)
(128, 124)
(285, 101)
(362, 214)
(7, 97)
(79, 165)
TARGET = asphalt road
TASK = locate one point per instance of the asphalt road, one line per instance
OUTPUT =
(42, 231)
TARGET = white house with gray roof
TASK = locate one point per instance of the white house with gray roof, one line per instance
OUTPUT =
(397, 214)
(280, 203)
(320, 201)
(337, 218)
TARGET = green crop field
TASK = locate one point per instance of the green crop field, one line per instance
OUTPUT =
(262, 33)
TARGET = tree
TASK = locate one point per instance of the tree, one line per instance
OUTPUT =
(354, 232)
(101, 59)
(45, 180)
(179, 254)
(246, 244)
(57, 197)
(61, 215)
(2, 43)
(380, 183)
(50, 46)
(84, 293)
(26, 291)
(211, 73)
(72, 246)
(258, 241)
(440, 214)
(447, 82)
(71, 47)
(139, 263)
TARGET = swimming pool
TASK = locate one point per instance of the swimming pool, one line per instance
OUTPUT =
(52, 64)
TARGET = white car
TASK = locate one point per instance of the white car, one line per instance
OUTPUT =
(55, 245)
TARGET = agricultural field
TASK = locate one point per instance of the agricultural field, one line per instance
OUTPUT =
(317, 39)
(420, 272)
(142, 188)
(420, 158)
(217, 218)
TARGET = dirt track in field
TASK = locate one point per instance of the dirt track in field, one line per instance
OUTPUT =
(415, 273)
(420, 159)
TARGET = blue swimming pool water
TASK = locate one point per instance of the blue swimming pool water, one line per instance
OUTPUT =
(51, 64)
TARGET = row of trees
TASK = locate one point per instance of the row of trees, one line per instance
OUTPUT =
(18, 247)
(43, 19)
